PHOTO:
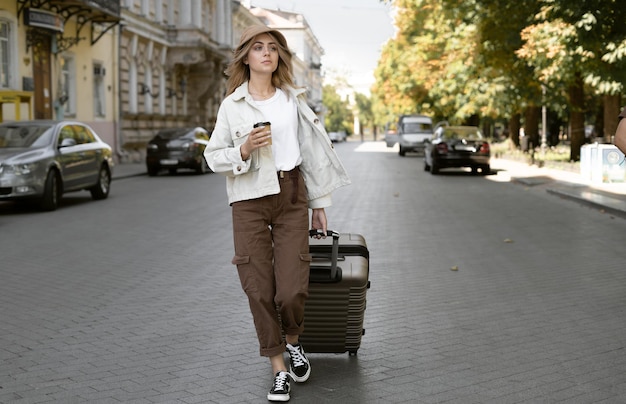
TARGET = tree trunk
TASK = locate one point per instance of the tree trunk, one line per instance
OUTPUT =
(514, 127)
(577, 118)
(611, 112)
(473, 120)
(531, 125)
(554, 128)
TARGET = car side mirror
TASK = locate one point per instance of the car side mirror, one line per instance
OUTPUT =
(67, 142)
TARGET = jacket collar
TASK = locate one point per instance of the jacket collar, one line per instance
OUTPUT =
(241, 92)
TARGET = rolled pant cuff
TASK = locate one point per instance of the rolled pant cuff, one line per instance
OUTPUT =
(269, 352)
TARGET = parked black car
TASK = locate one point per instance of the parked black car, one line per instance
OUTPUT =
(41, 160)
(457, 146)
(177, 148)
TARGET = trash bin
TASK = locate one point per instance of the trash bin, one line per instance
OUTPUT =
(608, 165)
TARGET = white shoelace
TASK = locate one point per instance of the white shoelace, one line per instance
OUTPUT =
(296, 356)
(280, 381)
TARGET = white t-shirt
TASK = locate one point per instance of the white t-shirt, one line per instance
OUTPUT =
(282, 113)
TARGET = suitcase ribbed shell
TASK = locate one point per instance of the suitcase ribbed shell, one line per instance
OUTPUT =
(335, 309)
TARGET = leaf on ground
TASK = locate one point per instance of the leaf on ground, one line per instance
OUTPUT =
(508, 240)
(454, 268)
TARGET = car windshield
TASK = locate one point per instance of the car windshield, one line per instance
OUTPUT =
(417, 127)
(25, 136)
(172, 133)
(462, 133)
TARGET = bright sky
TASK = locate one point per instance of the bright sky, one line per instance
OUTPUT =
(351, 32)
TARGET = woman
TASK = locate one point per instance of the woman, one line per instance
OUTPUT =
(272, 178)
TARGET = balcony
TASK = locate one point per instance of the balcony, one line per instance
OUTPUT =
(101, 15)
(96, 10)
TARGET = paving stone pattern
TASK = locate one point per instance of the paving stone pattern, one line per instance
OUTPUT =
(148, 308)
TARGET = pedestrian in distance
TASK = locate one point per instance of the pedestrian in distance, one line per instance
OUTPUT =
(279, 163)
(620, 133)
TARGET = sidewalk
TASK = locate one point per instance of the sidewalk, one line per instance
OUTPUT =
(609, 197)
(125, 170)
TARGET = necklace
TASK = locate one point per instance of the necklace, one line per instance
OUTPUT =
(263, 96)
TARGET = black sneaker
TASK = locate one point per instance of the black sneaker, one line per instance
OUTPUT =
(299, 366)
(280, 388)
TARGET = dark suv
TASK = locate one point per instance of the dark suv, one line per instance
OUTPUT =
(176, 148)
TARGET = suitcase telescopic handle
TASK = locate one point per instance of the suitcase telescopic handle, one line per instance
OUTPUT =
(334, 252)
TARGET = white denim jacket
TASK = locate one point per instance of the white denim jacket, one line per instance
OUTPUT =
(256, 177)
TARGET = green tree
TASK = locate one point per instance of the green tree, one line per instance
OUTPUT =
(470, 61)
(363, 107)
(513, 91)
(574, 46)
(338, 115)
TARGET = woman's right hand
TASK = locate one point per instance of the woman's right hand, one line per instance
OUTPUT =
(258, 137)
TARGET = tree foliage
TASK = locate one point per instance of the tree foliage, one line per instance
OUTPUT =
(338, 115)
(482, 60)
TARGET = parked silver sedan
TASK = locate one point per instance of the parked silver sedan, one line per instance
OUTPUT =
(43, 159)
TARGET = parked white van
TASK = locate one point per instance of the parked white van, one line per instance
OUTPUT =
(413, 130)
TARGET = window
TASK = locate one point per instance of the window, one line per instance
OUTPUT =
(147, 107)
(99, 99)
(68, 84)
(158, 13)
(133, 83)
(66, 133)
(8, 70)
(83, 135)
(4, 54)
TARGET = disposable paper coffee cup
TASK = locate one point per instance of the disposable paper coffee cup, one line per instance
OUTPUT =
(268, 128)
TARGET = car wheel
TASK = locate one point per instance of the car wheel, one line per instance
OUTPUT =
(401, 152)
(153, 171)
(426, 166)
(51, 193)
(434, 169)
(474, 169)
(485, 170)
(102, 187)
(172, 171)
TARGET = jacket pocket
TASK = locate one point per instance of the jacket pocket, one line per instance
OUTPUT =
(239, 133)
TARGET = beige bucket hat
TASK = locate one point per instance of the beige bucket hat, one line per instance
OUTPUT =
(254, 30)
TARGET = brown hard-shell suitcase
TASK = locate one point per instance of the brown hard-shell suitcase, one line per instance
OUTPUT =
(338, 283)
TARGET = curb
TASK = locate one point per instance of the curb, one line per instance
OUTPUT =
(595, 199)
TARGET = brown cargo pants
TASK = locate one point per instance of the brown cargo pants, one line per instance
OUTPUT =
(272, 258)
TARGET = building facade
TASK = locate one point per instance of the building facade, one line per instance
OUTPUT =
(131, 67)
(57, 60)
(172, 57)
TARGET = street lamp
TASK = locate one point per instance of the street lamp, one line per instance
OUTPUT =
(544, 120)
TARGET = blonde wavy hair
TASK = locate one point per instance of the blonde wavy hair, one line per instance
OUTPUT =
(238, 72)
